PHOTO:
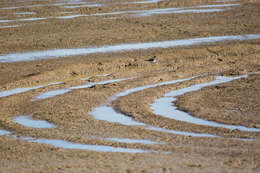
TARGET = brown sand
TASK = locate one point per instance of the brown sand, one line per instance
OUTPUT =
(235, 103)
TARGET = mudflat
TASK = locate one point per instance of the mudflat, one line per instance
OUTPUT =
(79, 91)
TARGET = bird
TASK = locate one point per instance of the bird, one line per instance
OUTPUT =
(153, 59)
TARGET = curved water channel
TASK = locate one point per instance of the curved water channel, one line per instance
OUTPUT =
(28, 121)
(107, 113)
(164, 108)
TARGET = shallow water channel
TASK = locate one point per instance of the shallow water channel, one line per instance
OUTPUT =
(160, 107)
(164, 108)
(25, 89)
(57, 53)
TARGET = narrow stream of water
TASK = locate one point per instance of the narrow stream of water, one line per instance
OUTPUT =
(57, 53)
(22, 90)
(107, 113)
(50, 94)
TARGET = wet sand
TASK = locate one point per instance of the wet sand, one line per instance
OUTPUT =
(48, 120)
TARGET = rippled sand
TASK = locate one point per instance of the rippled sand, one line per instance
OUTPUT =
(80, 93)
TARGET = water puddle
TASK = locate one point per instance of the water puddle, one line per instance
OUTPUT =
(4, 132)
(22, 90)
(19, 20)
(56, 53)
(82, 6)
(42, 5)
(30, 19)
(66, 12)
(72, 16)
(218, 5)
(165, 106)
(142, 2)
(105, 75)
(29, 122)
(184, 133)
(54, 93)
(226, 1)
(199, 11)
(51, 94)
(175, 11)
(25, 13)
(5, 21)
(70, 145)
(156, 11)
(107, 113)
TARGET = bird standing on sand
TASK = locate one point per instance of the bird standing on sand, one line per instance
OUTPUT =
(153, 59)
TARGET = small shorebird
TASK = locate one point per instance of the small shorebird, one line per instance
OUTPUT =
(153, 59)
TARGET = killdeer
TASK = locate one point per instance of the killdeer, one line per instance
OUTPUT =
(153, 59)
